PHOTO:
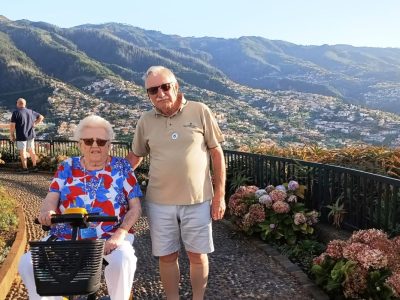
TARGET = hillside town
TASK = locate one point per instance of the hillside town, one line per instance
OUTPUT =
(284, 118)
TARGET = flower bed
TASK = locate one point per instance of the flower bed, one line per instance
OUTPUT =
(366, 266)
(277, 213)
(8, 224)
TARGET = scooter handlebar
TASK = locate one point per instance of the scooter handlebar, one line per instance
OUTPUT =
(77, 219)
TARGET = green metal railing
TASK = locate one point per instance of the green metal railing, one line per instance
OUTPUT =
(64, 147)
(59, 147)
(370, 200)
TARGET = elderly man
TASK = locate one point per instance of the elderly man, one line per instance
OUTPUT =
(180, 137)
(22, 130)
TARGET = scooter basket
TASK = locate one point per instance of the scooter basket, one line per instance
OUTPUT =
(64, 268)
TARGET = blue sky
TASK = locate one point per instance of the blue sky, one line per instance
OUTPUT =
(374, 23)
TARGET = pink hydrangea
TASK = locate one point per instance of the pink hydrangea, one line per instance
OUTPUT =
(318, 260)
(394, 282)
(370, 250)
(299, 218)
(334, 249)
(269, 188)
(372, 258)
(278, 195)
(312, 217)
(257, 212)
(236, 206)
(281, 207)
(396, 241)
(247, 222)
(245, 191)
(351, 250)
(292, 199)
(356, 283)
(368, 235)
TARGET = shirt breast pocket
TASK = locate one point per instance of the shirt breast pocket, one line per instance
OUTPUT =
(193, 133)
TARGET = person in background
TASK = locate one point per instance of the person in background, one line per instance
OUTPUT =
(22, 130)
(102, 184)
(180, 136)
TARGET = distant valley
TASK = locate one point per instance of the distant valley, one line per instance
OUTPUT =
(260, 90)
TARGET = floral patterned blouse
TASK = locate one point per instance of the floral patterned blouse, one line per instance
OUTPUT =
(105, 191)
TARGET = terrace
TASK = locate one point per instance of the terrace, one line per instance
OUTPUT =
(371, 201)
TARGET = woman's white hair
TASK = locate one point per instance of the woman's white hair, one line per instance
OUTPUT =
(154, 70)
(93, 121)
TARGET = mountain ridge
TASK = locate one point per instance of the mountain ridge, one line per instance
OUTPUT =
(105, 62)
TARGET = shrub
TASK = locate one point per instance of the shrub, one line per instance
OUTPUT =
(8, 223)
(8, 217)
(367, 266)
(6, 156)
(48, 162)
(275, 212)
(374, 159)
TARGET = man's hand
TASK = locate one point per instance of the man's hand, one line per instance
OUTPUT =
(12, 138)
(134, 160)
(218, 208)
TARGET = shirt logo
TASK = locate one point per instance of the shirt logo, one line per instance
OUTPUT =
(190, 125)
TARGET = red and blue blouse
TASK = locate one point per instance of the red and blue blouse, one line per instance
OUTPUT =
(105, 191)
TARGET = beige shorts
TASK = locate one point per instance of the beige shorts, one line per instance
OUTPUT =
(26, 145)
(169, 223)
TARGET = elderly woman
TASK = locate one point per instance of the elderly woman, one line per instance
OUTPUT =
(102, 184)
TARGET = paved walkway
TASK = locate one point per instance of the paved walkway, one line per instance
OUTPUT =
(239, 269)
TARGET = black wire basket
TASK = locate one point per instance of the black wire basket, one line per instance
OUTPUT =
(64, 268)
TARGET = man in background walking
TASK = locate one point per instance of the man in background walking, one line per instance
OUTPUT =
(22, 130)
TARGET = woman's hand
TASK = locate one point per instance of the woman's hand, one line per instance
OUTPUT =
(115, 240)
(45, 217)
(48, 208)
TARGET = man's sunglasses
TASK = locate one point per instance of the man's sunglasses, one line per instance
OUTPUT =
(99, 142)
(165, 87)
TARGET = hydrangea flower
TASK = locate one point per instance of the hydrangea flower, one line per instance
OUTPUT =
(281, 188)
(299, 218)
(281, 207)
(278, 195)
(293, 185)
(266, 200)
(269, 188)
(260, 192)
(368, 251)
(273, 212)
(292, 199)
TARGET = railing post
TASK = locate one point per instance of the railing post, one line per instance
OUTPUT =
(52, 148)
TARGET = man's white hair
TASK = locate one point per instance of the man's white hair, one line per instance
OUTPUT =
(93, 121)
(154, 70)
(21, 102)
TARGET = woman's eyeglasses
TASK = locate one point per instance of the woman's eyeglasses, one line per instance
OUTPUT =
(99, 142)
(165, 87)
